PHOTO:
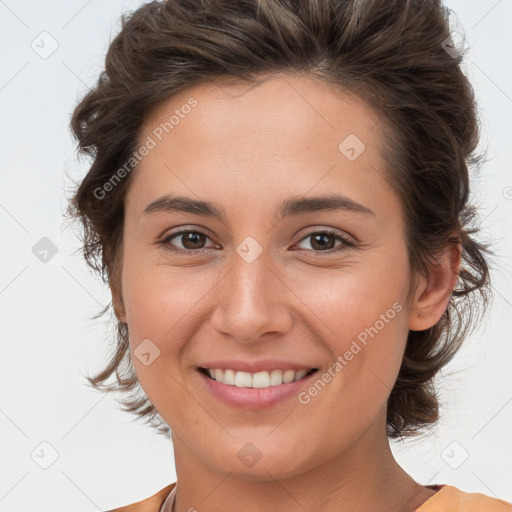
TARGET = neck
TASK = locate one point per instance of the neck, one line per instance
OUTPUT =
(364, 476)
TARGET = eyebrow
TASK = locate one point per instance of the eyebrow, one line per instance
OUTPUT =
(290, 207)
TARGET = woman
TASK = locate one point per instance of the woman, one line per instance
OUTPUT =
(278, 200)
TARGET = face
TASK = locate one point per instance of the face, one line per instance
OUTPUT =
(280, 279)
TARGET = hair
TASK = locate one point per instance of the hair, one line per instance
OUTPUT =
(392, 54)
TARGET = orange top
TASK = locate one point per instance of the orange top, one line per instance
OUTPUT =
(151, 504)
(447, 499)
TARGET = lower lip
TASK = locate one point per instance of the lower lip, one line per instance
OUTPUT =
(254, 399)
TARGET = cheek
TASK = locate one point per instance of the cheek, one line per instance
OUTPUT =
(360, 314)
(159, 299)
(163, 305)
(157, 312)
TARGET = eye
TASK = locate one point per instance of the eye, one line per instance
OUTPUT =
(323, 241)
(191, 241)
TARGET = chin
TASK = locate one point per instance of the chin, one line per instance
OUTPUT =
(259, 461)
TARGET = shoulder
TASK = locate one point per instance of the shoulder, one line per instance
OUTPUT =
(151, 504)
(451, 499)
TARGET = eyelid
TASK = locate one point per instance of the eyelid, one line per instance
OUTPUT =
(313, 230)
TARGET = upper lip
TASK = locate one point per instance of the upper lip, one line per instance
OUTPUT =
(255, 366)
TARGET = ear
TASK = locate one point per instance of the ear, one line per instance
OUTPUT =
(434, 291)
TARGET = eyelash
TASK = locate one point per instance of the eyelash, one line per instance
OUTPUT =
(346, 243)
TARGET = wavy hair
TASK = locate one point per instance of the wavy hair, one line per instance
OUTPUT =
(393, 54)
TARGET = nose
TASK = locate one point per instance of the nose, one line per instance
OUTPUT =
(253, 302)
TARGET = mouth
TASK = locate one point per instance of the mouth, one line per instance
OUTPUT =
(260, 380)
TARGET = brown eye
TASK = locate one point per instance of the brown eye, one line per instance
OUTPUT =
(190, 241)
(193, 240)
(324, 241)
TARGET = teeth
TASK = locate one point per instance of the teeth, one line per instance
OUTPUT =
(256, 380)
(242, 379)
(276, 377)
(229, 377)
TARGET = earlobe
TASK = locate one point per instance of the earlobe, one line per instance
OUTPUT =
(434, 291)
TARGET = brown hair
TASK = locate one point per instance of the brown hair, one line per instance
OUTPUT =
(391, 53)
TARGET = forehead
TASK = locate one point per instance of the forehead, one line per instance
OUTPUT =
(288, 107)
(284, 133)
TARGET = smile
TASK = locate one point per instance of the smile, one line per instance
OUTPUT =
(263, 379)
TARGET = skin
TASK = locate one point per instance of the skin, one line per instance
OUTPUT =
(247, 148)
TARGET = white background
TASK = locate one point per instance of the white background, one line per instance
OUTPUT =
(49, 342)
